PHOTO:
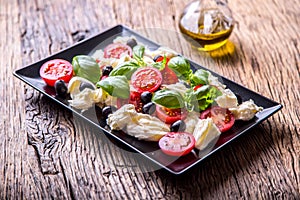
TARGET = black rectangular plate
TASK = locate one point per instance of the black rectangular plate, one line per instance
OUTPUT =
(30, 75)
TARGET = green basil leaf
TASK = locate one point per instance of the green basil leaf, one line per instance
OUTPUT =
(138, 52)
(86, 67)
(199, 77)
(163, 63)
(125, 69)
(181, 67)
(191, 100)
(169, 99)
(116, 86)
(201, 98)
(202, 91)
(204, 97)
(157, 65)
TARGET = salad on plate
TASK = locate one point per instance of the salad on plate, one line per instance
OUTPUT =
(152, 95)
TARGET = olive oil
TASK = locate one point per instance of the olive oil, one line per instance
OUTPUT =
(206, 28)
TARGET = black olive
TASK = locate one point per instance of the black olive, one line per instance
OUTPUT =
(157, 57)
(84, 85)
(106, 70)
(146, 97)
(239, 98)
(131, 42)
(178, 126)
(61, 88)
(107, 110)
(149, 108)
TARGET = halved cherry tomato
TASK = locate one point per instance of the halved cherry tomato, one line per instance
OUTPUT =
(177, 143)
(56, 69)
(135, 99)
(222, 117)
(170, 116)
(146, 79)
(169, 76)
(115, 50)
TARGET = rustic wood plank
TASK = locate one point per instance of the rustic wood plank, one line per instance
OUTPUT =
(49, 153)
(13, 139)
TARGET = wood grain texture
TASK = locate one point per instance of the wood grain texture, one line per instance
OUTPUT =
(47, 152)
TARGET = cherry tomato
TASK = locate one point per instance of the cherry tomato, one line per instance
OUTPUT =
(135, 99)
(177, 143)
(222, 117)
(170, 116)
(56, 69)
(146, 79)
(115, 50)
(169, 76)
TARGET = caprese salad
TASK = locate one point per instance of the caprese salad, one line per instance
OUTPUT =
(152, 95)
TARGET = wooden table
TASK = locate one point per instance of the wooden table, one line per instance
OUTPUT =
(46, 153)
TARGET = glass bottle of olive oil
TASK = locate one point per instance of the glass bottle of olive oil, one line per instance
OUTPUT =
(206, 24)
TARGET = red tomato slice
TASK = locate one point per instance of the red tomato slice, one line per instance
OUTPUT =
(56, 69)
(135, 99)
(170, 116)
(146, 79)
(169, 76)
(177, 143)
(115, 50)
(222, 117)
